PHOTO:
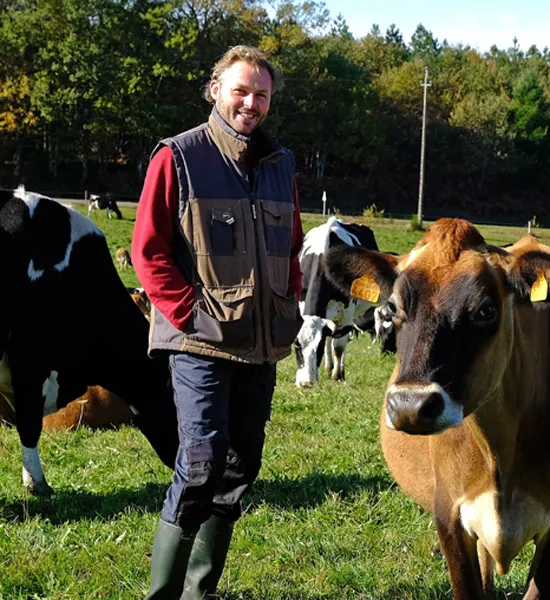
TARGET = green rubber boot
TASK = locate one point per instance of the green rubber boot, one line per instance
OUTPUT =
(207, 559)
(171, 551)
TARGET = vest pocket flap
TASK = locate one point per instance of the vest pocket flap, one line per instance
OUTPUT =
(224, 316)
(226, 216)
(277, 210)
(278, 217)
(226, 303)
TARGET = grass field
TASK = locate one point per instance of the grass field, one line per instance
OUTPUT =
(325, 520)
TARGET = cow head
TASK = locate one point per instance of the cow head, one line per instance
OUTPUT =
(454, 302)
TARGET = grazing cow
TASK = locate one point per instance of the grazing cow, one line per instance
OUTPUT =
(473, 349)
(123, 258)
(327, 314)
(50, 351)
(106, 202)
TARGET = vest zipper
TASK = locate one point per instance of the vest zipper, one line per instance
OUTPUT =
(259, 262)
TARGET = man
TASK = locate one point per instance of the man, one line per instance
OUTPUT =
(215, 246)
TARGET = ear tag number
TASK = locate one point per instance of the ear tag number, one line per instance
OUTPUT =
(539, 291)
(365, 288)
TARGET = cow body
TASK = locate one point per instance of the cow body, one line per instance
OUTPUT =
(473, 348)
(51, 350)
(97, 409)
(328, 315)
(123, 258)
(106, 202)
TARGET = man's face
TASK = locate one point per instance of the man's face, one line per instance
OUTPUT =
(242, 96)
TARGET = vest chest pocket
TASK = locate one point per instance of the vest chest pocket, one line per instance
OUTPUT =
(278, 220)
(218, 227)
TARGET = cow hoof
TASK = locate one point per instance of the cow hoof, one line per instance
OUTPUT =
(40, 489)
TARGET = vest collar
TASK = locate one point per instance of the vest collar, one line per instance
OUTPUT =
(259, 147)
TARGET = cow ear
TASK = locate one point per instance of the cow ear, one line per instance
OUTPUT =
(363, 274)
(529, 275)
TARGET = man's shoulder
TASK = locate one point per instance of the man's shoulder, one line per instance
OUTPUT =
(186, 137)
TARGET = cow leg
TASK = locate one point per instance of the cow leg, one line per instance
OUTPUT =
(328, 355)
(486, 566)
(461, 554)
(338, 353)
(539, 577)
(33, 474)
(30, 399)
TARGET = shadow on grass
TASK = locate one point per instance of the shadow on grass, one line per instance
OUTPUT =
(76, 505)
(286, 494)
(400, 592)
(312, 490)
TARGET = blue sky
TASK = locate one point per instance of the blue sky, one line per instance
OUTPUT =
(480, 23)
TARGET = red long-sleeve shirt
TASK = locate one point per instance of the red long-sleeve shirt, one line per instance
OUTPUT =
(154, 230)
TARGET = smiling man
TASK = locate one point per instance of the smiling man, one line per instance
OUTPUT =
(216, 246)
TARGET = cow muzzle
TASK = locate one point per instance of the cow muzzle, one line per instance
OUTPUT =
(421, 409)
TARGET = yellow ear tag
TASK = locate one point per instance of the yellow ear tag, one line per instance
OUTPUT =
(539, 291)
(365, 288)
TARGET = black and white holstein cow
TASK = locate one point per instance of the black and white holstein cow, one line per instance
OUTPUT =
(328, 315)
(107, 203)
(51, 347)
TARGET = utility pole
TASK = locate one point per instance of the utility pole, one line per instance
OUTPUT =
(425, 85)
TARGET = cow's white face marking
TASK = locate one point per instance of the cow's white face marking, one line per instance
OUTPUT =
(6, 387)
(50, 392)
(32, 467)
(309, 337)
(452, 414)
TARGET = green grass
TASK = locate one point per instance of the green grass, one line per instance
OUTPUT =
(325, 520)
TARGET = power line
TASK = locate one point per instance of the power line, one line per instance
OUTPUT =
(425, 85)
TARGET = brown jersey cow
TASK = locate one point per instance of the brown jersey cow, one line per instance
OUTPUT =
(473, 349)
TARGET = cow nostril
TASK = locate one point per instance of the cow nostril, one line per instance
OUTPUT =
(432, 407)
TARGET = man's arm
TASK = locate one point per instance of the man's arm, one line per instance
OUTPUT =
(152, 254)
(295, 273)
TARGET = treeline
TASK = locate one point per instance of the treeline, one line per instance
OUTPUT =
(87, 87)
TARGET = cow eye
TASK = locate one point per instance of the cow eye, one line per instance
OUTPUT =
(485, 313)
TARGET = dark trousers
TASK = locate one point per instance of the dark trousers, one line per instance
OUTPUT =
(222, 408)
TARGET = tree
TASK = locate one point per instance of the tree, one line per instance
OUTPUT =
(424, 45)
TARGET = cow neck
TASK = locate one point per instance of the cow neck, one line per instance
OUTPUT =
(512, 425)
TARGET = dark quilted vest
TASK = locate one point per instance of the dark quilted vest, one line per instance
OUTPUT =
(234, 247)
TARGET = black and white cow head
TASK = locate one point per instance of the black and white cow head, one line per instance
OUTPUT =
(328, 315)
